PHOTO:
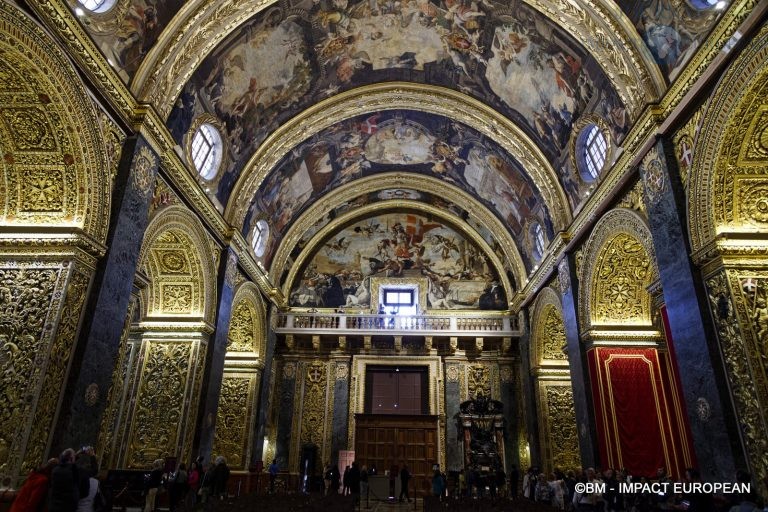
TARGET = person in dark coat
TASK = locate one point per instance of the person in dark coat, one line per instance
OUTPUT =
(353, 479)
(64, 488)
(405, 476)
(220, 477)
(335, 479)
(514, 479)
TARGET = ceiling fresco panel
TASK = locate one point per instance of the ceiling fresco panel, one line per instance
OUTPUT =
(672, 29)
(403, 141)
(504, 54)
(399, 245)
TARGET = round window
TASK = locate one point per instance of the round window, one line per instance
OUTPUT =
(592, 150)
(260, 237)
(207, 151)
(97, 6)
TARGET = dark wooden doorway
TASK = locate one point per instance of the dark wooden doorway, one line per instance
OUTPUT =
(384, 440)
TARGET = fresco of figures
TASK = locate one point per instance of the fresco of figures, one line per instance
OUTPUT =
(399, 245)
(509, 57)
(672, 29)
(399, 194)
(400, 141)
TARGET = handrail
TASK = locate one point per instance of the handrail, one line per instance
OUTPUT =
(472, 322)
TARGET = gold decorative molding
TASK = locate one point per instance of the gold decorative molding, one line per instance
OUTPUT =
(619, 264)
(232, 419)
(393, 96)
(548, 340)
(557, 422)
(737, 301)
(248, 325)
(720, 197)
(176, 257)
(54, 156)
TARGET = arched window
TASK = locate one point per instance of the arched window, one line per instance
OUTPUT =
(97, 6)
(591, 152)
(260, 237)
(207, 151)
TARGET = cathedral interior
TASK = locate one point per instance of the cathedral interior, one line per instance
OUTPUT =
(454, 232)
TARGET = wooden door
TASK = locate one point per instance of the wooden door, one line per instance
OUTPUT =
(386, 440)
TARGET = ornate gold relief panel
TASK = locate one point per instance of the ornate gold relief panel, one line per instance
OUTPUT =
(53, 155)
(738, 304)
(557, 420)
(32, 354)
(158, 413)
(233, 419)
(243, 328)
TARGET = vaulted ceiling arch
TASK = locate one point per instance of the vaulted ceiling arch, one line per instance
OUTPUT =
(400, 96)
(383, 208)
(199, 27)
(299, 231)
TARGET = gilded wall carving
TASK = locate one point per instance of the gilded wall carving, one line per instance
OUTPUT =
(684, 140)
(242, 328)
(728, 175)
(634, 199)
(232, 425)
(53, 152)
(558, 417)
(314, 404)
(479, 381)
(28, 303)
(159, 402)
(553, 333)
(58, 362)
(177, 258)
(619, 263)
(738, 305)
(548, 330)
(653, 169)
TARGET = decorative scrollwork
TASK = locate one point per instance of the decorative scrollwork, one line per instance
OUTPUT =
(562, 435)
(231, 436)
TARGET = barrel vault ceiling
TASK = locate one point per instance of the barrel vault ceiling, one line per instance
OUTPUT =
(461, 112)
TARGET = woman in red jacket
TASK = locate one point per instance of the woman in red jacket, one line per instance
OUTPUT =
(32, 497)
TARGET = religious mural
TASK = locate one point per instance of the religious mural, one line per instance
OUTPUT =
(508, 57)
(388, 194)
(394, 245)
(126, 41)
(399, 141)
(673, 29)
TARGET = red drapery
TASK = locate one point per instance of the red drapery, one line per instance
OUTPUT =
(637, 411)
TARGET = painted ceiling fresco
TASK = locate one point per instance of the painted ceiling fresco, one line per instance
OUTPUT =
(399, 245)
(505, 55)
(384, 195)
(399, 141)
(672, 29)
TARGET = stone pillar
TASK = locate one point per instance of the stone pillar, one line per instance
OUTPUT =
(341, 412)
(285, 419)
(264, 397)
(692, 338)
(454, 458)
(216, 354)
(527, 385)
(91, 371)
(510, 397)
(577, 364)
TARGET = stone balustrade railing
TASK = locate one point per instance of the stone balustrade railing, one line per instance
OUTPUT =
(343, 323)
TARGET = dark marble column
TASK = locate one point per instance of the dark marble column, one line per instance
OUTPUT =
(264, 401)
(694, 343)
(577, 363)
(215, 354)
(341, 410)
(510, 397)
(285, 419)
(528, 385)
(90, 374)
(453, 451)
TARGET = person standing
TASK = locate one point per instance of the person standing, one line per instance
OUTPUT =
(514, 479)
(273, 470)
(33, 493)
(178, 488)
(220, 477)
(353, 480)
(364, 482)
(153, 485)
(405, 476)
(65, 478)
